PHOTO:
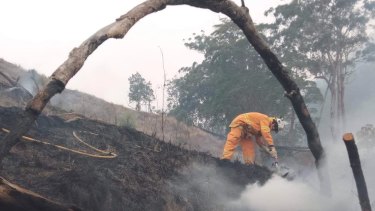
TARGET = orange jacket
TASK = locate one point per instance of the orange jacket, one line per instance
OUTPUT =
(259, 125)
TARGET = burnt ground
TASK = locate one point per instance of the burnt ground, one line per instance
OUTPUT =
(148, 174)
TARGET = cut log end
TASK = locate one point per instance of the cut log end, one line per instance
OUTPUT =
(348, 137)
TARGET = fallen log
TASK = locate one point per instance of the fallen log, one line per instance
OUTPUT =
(355, 163)
(15, 198)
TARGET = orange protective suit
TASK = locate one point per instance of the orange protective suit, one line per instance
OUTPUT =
(242, 130)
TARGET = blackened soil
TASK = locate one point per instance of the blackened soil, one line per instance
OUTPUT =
(148, 174)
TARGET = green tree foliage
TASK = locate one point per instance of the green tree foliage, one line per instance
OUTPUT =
(140, 91)
(232, 79)
(325, 38)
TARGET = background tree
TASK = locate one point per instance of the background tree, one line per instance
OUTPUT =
(325, 38)
(232, 79)
(140, 91)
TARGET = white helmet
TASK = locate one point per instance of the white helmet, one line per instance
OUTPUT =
(280, 123)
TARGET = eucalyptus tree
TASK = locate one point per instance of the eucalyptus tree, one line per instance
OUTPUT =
(232, 79)
(140, 91)
(325, 38)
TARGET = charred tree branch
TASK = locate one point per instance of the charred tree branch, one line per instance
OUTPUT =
(355, 163)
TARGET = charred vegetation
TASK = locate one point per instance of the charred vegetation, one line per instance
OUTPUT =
(147, 174)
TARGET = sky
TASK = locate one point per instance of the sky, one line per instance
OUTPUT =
(39, 35)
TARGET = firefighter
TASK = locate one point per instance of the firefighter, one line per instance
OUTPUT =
(247, 127)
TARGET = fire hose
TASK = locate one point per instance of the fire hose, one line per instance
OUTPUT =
(104, 154)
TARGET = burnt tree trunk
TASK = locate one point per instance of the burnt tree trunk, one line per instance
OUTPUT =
(337, 89)
(355, 163)
(118, 29)
(341, 93)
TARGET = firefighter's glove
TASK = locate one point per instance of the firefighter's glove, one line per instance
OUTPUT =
(272, 151)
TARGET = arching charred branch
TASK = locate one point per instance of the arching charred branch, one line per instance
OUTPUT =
(118, 29)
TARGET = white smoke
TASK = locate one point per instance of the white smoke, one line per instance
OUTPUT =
(280, 194)
(303, 194)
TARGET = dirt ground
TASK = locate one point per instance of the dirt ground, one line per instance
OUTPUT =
(147, 174)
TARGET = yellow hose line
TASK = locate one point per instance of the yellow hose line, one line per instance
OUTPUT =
(108, 156)
(88, 145)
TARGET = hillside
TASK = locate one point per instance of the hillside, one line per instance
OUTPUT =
(147, 174)
(78, 103)
(94, 164)
(72, 105)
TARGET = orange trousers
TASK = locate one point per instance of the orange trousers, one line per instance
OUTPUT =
(235, 137)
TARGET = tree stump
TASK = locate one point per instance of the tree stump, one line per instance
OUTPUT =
(355, 163)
